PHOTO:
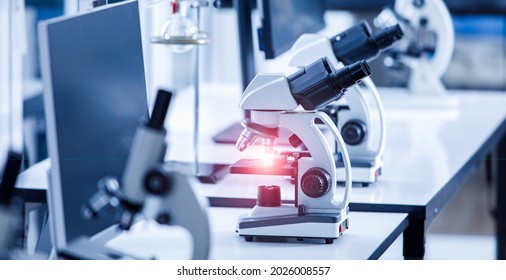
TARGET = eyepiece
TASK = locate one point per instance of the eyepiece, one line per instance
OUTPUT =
(386, 37)
(319, 83)
(160, 109)
(350, 75)
(358, 42)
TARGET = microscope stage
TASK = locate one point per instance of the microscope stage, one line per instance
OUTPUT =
(258, 166)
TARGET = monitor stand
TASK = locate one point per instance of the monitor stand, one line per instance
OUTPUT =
(208, 173)
(211, 173)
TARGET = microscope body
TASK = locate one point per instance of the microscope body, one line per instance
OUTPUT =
(292, 102)
(428, 45)
(311, 204)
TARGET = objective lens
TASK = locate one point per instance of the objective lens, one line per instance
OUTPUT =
(269, 144)
(246, 139)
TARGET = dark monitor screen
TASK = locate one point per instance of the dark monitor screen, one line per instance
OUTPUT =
(94, 97)
(283, 21)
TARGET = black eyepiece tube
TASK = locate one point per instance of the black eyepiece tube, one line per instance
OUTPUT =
(384, 38)
(160, 109)
(350, 75)
(318, 84)
(358, 42)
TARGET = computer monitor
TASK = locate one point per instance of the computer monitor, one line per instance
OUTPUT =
(283, 21)
(94, 97)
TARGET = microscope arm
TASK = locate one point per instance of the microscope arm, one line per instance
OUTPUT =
(381, 110)
(181, 207)
(346, 158)
(303, 125)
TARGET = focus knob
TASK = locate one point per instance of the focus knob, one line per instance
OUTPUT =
(158, 181)
(269, 196)
(353, 132)
(315, 182)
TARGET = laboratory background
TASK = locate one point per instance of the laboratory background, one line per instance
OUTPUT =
(253, 129)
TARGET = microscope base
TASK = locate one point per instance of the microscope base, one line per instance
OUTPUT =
(365, 172)
(310, 226)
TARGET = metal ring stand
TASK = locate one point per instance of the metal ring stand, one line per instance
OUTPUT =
(198, 39)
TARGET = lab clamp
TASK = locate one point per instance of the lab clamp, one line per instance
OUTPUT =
(179, 31)
(292, 102)
(180, 34)
(427, 46)
(362, 120)
(148, 186)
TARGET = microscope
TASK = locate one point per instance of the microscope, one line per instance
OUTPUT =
(362, 120)
(149, 188)
(427, 47)
(292, 102)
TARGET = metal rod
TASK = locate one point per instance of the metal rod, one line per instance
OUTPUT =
(10, 83)
(197, 103)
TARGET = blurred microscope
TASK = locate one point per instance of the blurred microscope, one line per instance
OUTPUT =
(427, 46)
(360, 118)
(150, 190)
(292, 102)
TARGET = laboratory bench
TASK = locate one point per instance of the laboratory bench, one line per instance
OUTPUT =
(369, 236)
(433, 147)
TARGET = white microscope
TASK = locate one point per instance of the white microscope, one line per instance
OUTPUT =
(427, 46)
(293, 102)
(150, 188)
(361, 121)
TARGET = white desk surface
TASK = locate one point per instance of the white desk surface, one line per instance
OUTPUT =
(368, 236)
(426, 145)
(425, 148)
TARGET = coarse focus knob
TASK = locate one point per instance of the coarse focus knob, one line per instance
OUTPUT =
(269, 196)
(353, 132)
(315, 182)
(158, 181)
